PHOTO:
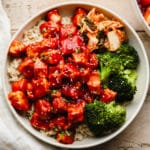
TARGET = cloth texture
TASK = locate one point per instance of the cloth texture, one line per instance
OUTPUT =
(12, 135)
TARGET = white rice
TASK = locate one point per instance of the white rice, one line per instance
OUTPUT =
(13, 73)
(49, 133)
(33, 35)
(82, 131)
(66, 20)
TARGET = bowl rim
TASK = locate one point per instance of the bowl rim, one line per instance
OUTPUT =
(140, 17)
(60, 4)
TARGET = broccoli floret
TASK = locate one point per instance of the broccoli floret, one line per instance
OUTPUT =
(128, 56)
(124, 84)
(103, 118)
(109, 64)
(114, 63)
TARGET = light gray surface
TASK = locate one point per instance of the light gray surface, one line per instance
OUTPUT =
(137, 135)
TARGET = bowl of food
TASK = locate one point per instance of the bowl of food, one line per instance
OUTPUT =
(75, 75)
(142, 9)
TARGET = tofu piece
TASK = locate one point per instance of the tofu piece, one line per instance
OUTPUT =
(113, 39)
(93, 41)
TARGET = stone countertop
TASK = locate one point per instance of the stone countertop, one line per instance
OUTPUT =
(137, 135)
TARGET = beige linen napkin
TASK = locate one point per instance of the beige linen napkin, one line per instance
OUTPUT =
(12, 135)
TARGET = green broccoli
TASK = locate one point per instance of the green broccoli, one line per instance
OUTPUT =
(124, 84)
(103, 118)
(109, 64)
(128, 56)
(117, 71)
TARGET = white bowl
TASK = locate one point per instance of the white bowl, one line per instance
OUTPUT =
(142, 81)
(140, 17)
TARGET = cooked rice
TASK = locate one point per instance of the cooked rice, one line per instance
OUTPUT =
(66, 20)
(82, 131)
(48, 133)
(33, 35)
(13, 73)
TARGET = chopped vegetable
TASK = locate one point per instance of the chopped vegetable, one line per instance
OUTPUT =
(103, 118)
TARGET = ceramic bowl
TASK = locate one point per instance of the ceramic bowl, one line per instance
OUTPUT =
(66, 9)
(140, 16)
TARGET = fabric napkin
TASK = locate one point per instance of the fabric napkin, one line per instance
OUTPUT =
(12, 135)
